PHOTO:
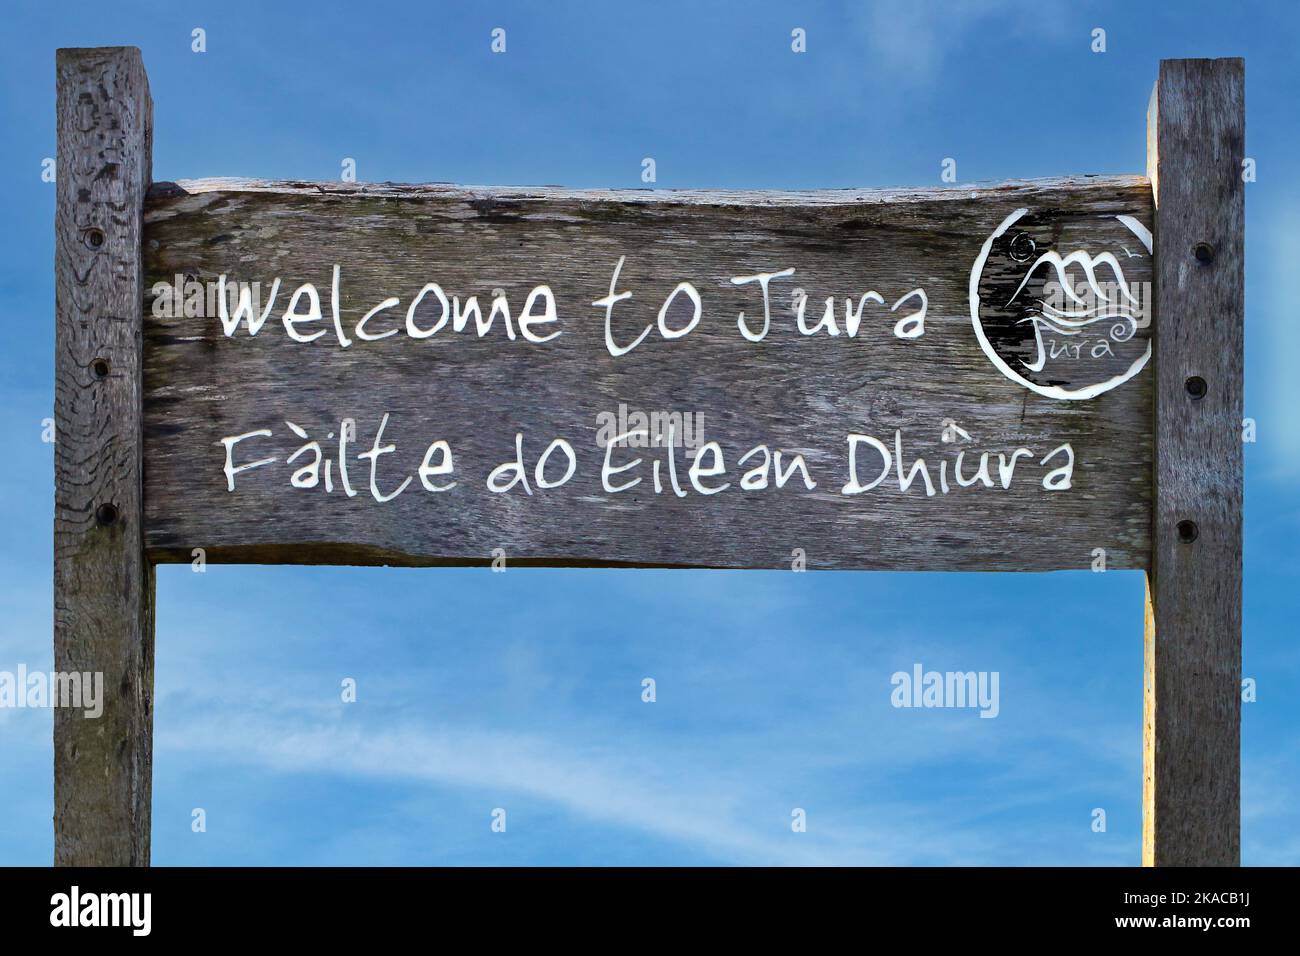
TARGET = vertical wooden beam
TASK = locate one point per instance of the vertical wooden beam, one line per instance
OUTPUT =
(103, 586)
(1192, 686)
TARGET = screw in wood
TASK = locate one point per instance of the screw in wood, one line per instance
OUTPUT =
(1203, 251)
(105, 515)
(1196, 387)
(100, 368)
(1187, 531)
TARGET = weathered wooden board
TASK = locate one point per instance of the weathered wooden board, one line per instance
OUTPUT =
(103, 586)
(798, 393)
(1192, 765)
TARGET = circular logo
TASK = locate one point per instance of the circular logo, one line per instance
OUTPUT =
(1062, 305)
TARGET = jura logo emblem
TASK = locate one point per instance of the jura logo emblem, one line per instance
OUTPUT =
(1065, 320)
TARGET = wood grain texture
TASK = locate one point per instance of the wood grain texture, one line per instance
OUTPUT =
(103, 587)
(1192, 766)
(802, 394)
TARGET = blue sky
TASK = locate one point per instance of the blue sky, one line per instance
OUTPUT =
(523, 690)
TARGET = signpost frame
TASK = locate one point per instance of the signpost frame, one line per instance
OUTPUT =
(104, 576)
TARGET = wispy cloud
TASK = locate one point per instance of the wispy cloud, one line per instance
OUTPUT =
(669, 794)
(914, 38)
(758, 718)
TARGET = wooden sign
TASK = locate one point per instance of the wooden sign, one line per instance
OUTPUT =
(1028, 376)
(880, 379)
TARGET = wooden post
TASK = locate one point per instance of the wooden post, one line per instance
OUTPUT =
(1191, 788)
(103, 586)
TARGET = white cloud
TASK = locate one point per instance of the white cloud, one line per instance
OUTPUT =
(912, 38)
(669, 794)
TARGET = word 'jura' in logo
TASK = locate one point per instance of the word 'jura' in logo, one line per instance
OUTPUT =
(1063, 324)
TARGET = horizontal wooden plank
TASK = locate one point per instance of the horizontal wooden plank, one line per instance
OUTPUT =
(985, 260)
